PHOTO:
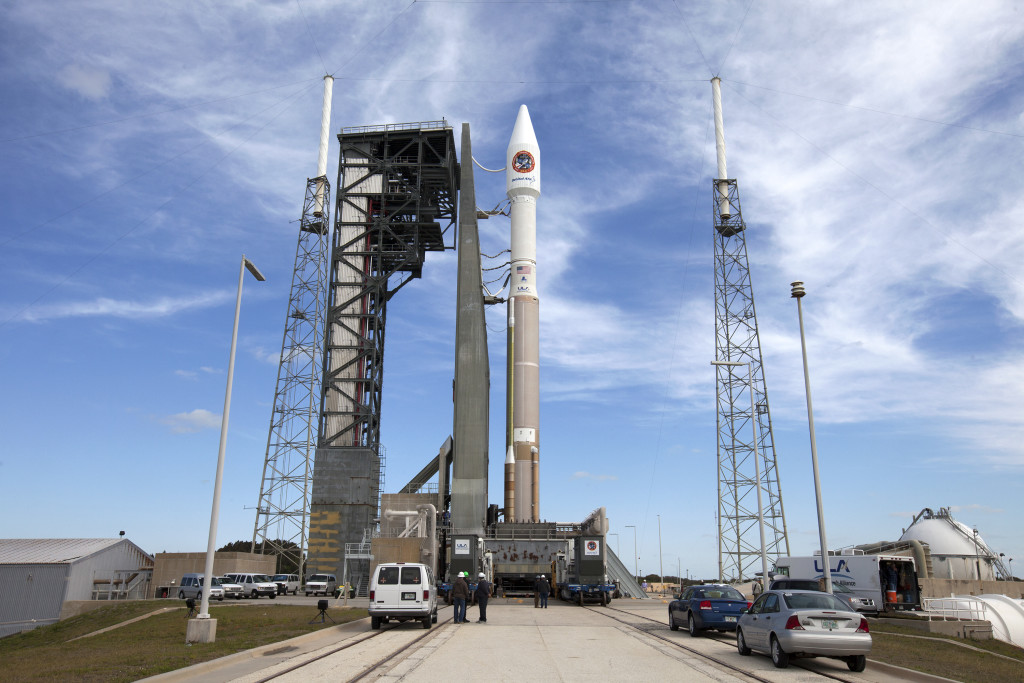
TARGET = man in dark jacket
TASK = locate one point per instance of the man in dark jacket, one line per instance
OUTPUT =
(483, 592)
(460, 593)
(543, 589)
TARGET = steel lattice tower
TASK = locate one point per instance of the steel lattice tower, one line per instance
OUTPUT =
(736, 340)
(283, 508)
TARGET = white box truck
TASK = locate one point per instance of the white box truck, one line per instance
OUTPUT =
(889, 580)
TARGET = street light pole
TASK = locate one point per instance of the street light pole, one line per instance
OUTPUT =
(636, 558)
(757, 463)
(798, 293)
(204, 609)
(661, 564)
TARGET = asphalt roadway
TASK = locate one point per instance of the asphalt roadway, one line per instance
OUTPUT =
(629, 641)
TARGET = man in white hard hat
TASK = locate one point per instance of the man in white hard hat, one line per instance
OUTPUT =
(460, 593)
(483, 592)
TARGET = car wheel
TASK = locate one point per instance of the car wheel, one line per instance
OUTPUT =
(672, 622)
(857, 662)
(273, 595)
(433, 617)
(255, 595)
(181, 595)
(691, 626)
(426, 622)
(779, 658)
(375, 622)
(741, 644)
(307, 594)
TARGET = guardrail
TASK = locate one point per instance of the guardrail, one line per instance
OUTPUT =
(955, 609)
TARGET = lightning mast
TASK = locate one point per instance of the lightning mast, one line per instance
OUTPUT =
(282, 516)
(736, 340)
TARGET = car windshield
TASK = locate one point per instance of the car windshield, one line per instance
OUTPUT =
(280, 577)
(814, 601)
(723, 593)
(318, 577)
(837, 588)
(215, 581)
(261, 578)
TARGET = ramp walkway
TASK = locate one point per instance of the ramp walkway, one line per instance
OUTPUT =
(617, 571)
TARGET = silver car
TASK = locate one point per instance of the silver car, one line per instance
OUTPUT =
(794, 623)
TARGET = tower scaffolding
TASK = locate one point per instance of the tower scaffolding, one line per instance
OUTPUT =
(737, 340)
(282, 512)
(396, 195)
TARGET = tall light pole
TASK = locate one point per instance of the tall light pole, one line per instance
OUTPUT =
(204, 608)
(977, 555)
(757, 461)
(636, 558)
(798, 293)
(661, 565)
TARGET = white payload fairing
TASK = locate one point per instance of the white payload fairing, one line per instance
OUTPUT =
(522, 185)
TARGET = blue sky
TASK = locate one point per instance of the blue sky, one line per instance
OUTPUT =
(877, 147)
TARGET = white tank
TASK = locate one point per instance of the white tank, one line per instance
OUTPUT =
(957, 552)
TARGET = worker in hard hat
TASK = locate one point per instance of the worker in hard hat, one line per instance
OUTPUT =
(483, 592)
(460, 593)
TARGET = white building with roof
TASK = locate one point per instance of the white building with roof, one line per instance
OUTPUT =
(39, 575)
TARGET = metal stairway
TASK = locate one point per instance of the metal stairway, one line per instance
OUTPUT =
(628, 587)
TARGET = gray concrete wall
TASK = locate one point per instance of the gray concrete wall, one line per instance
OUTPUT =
(168, 568)
(343, 505)
(944, 588)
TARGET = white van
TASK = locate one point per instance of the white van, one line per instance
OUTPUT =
(255, 585)
(286, 583)
(402, 591)
(192, 587)
(321, 583)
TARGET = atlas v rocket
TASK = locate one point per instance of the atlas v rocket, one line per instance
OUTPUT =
(522, 185)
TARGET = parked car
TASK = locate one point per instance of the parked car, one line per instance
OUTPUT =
(321, 584)
(255, 585)
(855, 602)
(402, 591)
(709, 606)
(286, 583)
(231, 589)
(795, 623)
(192, 587)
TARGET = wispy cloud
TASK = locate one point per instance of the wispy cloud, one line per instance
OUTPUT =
(119, 308)
(192, 421)
(89, 82)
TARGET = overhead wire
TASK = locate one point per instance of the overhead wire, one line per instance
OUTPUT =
(735, 36)
(311, 36)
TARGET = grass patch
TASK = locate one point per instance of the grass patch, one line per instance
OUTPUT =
(149, 646)
(951, 661)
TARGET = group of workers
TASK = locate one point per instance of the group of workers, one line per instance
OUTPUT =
(484, 589)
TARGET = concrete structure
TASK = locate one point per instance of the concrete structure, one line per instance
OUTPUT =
(37, 576)
(168, 568)
(472, 372)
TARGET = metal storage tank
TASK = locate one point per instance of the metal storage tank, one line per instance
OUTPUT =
(957, 551)
(38, 576)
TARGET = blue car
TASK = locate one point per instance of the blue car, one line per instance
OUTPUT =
(711, 606)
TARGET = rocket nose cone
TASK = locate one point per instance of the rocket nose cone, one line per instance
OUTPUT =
(522, 132)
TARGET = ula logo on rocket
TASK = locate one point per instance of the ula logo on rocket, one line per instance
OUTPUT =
(522, 162)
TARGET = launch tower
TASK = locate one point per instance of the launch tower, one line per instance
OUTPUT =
(396, 200)
(736, 340)
(282, 512)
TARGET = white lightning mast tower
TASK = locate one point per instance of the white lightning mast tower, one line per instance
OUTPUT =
(736, 340)
(282, 516)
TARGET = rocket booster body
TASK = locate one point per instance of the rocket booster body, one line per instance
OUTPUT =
(522, 185)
